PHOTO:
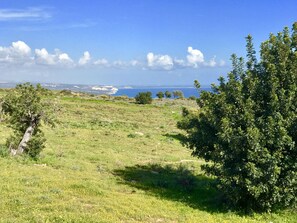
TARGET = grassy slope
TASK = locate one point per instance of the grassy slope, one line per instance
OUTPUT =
(112, 162)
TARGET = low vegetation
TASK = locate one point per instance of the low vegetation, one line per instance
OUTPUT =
(105, 162)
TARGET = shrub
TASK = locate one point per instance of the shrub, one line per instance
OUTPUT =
(168, 94)
(178, 94)
(144, 98)
(66, 92)
(192, 97)
(246, 128)
(160, 95)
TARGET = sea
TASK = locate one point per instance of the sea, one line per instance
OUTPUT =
(130, 91)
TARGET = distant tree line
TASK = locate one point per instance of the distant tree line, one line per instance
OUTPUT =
(146, 97)
(168, 94)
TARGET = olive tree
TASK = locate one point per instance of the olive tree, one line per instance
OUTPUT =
(144, 98)
(246, 128)
(178, 94)
(168, 94)
(160, 95)
(27, 107)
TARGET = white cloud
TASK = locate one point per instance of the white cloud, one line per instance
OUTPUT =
(134, 63)
(119, 63)
(102, 62)
(194, 57)
(63, 57)
(43, 57)
(21, 48)
(159, 61)
(24, 14)
(85, 58)
(18, 52)
(212, 62)
(179, 62)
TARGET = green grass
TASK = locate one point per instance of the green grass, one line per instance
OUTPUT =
(114, 161)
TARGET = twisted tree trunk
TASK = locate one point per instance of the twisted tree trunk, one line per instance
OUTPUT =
(23, 144)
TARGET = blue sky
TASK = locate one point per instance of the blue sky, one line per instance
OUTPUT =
(132, 42)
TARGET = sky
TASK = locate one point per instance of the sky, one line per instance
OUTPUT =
(132, 42)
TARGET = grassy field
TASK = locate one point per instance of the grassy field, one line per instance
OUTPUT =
(114, 161)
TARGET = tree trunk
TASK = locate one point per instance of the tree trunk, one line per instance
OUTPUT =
(23, 144)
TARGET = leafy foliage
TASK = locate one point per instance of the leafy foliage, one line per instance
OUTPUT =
(247, 127)
(178, 94)
(192, 97)
(26, 106)
(168, 94)
(144, 98)
(160, 95)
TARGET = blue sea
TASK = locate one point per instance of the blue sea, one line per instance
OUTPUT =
(130, 91)
(187, 91)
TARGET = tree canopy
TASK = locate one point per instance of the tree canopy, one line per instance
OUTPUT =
(178, 94)
(26, 106)
(144, 98)
(160, 95)
(168, 94)
(246, 128)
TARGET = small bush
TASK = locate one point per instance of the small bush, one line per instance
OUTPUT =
(144, 98)
(192, 98)
(66, 92)
(178, 94)
(168, 94)
(160, 95)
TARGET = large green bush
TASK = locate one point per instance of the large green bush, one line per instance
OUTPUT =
(246, 129)
(144, 98)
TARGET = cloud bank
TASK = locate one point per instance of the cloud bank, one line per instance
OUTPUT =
(194, 59)
(21, 54)
(159, 61)
(18, 52)
(42, 57)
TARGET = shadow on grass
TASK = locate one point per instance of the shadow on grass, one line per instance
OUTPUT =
(177, 136)
(177, 184)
